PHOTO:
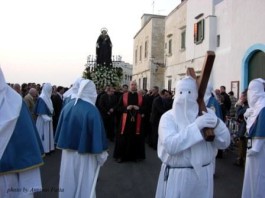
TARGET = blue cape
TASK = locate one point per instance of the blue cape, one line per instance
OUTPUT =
(80, 128)
(258, 127)
(66, 100)
(41, 108)
(215, 106)
(24, 150)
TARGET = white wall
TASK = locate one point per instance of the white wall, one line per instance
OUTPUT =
(194, 8)
(240, 25)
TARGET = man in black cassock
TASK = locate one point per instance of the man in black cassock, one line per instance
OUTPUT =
(130, 144)
(103, 49)
(107, 107)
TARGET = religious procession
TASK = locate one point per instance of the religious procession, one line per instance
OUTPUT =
(100, 138)
(81, 123)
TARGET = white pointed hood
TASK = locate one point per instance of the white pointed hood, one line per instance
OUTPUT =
(256, 100)
(10, 106)
(46, 93)
(185, 106)
(87, 92)
(72, 92)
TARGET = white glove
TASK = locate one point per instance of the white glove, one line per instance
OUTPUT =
(136, 107)
(46, 118)
(101, 158)
(206, 120)
(129, 107)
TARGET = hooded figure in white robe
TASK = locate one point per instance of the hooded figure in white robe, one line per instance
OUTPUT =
(81, 136)
(72, 92)
(187, 159)
(20, 146)
(44, 111)
(254, 178)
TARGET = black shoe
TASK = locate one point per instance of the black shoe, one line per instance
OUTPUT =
(119, 160)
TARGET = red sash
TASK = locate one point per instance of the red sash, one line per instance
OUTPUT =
(138, 116)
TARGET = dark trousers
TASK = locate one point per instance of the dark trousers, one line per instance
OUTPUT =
(109, 124)
(154, 136)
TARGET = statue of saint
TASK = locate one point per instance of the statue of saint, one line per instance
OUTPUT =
(103, 49)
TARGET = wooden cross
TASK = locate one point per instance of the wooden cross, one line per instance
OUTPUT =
(202, 86)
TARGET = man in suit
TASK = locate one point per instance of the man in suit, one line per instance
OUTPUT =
(226, 101)
(107, 105)
(30, 100)
(149, 97)
(57, 101)
(159, 106)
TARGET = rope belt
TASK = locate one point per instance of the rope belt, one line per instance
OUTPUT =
(166, 173)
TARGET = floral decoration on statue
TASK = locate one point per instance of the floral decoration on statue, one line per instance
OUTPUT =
(103, 76)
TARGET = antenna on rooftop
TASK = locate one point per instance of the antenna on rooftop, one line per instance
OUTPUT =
(153, 4)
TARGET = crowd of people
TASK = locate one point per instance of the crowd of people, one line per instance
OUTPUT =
(80, 121)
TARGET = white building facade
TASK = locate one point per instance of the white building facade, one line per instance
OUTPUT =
(234, 30)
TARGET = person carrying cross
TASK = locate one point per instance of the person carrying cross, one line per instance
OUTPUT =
(187, 158)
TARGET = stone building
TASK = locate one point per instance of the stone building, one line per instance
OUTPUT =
(148, 62)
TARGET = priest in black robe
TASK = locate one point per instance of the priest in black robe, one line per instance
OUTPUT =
(130, 144)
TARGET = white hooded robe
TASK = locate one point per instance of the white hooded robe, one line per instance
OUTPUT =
(182, 147)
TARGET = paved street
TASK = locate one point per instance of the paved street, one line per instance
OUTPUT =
(138, 180)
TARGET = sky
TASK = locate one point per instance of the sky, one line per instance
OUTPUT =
(49, 40)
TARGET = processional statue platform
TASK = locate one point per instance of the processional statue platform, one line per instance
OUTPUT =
(104, 68)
